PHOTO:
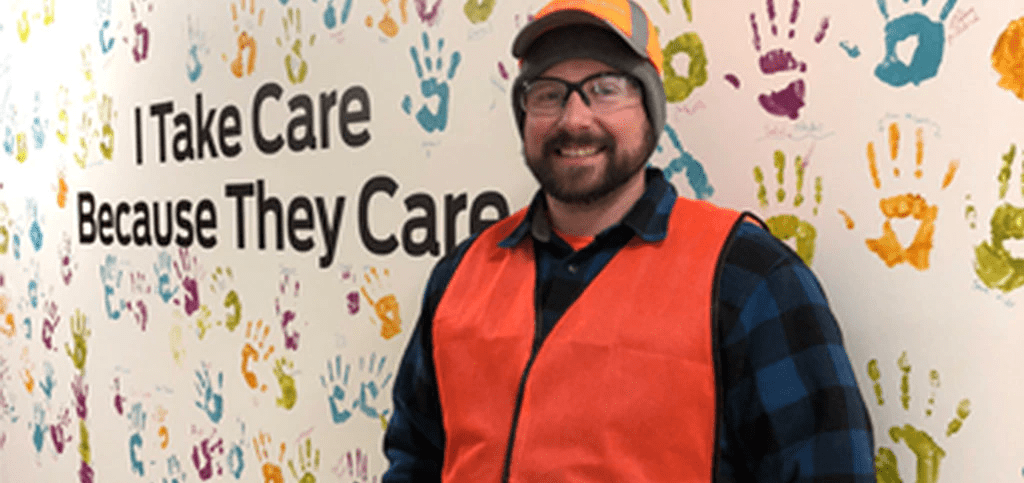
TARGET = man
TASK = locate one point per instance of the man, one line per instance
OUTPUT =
(612, 331)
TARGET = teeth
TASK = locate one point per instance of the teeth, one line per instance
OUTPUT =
(579, 152)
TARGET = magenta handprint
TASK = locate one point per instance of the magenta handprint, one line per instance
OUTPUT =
(788, 101)
(188, 271)
(288, 292)
(50, 321)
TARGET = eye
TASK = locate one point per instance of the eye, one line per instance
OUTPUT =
(607, 86)
(545, 93)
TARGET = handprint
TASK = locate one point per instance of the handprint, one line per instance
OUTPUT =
(332, 17)
(295, 65)
(926, 450)
(188, 272)
(478, 11)
(372, 392)
(39, 427)
(1008, 57)
(210, 399)
(679, 87)
(47, 382)
(337, 386)
(908, 205)
(995, 266)
(262, 446)
(428, 16)
(222, 279)
(685, 162)
(60, 432)
(50, 321)
(196, 45)
(110, 275)
(789, 226)
(246, 42)
(257, 337)
(308, 463)
(354, 466)
(788, 101)
(284, 303)
(385, 306)
(205, 450)
(81, 392)
(162, 270)
(106, 114)
(66, 256)
(140, 47)
(931, 39)
(286, 382)
(432, 85)
(79, 334)
(104, 11)
(387, 24)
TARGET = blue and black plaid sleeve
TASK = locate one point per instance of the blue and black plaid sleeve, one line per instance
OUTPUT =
(793, 411)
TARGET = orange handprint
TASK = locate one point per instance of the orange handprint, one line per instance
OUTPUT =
(257, 334)
(271, 471)
(246, 42)
(907, 205)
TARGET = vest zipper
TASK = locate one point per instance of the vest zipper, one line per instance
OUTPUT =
(538, 339)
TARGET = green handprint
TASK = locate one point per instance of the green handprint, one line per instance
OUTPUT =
(994, 264)
(927, 452)
(478, 11)
(79, 333)
(287, 383)
(789, 226)
(308, 463)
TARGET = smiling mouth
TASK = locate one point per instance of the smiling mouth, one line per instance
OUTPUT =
(578, 152)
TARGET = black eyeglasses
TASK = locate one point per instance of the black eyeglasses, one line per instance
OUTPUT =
(603, 93)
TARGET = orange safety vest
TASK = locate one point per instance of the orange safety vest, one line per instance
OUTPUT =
(623, 387)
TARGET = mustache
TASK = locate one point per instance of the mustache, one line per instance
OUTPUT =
(564, 138)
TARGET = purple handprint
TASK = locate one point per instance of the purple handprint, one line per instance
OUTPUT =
(206, 449)
(59, 432)
(288, 292)
(187, 269)
(788, 101)
(50, 321)
(81, 392)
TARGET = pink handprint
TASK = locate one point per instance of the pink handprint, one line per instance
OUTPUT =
(81, 392)
(205, 469)
(59, 431)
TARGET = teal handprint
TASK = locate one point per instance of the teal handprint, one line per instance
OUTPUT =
(685, 162)
(931, 39)
(211, 401)
(431, 85)
(331, 15)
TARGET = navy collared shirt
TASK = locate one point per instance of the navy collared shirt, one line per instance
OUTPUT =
(792, 411)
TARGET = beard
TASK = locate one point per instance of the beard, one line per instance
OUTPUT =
(576, 184)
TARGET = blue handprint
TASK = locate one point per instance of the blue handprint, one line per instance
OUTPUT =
(162, 269)
(106, 44)
(35, 232)
(111, 275)
(38, 126)
(211, 402)
(331, 14)
(432, 86)
(337, 394)
(371, 389)
(197, 44)
(48, 382)
(695, 174)
(135, 447)
(39, 427)
(931, 39)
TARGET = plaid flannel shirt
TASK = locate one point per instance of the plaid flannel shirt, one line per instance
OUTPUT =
(792, 408)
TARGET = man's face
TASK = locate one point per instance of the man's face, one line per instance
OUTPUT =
(580, 156)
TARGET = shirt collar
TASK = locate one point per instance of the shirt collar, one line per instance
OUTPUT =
(648, 218)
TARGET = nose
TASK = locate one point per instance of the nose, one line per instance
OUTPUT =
(575, 113)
